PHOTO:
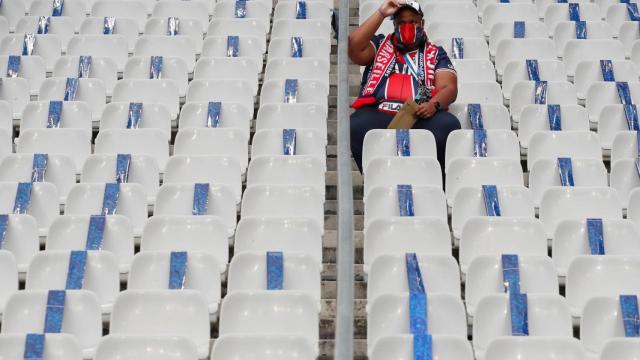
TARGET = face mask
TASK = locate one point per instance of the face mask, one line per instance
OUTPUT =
(408, 33)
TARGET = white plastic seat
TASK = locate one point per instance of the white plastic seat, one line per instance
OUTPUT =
(103, 68)
(287, 170)
(388, 275)
(595, 276)
(483, 3)
(389, 315)
(494, 116)
(515, 201)
(474, 70)
(91, 91)
(516, 71)
(495, 235)
(180, 46)
(43, 204)
(454, 29)
(57, 347)
(304, 28)
(109, 46)
(522, 49)
(189, 27)
(625, 146)
(544, 174)
(283, 201)
(290, 235)
(6, 119)
(566, 203)
(397, 236)
(601, 94)
(484, 278)
(535, 348)
(114, 347)
(547, 316)
(576, 51)
(244, 28)
(151, 270)
(281, 313)
(22, 242)
(228, 68)
(172, 232)
(381, 143)
(232, 115)
(87, 198)
(232, 143)
(534, 29)
(464, 172)
(474, 48)
(301, 69)
(602, 320)
(555, 144)
(314, 11)
(628, 35)
(70, 233)
(535, 118)
(134, 10)
(153, 116)
(501, 144)
(268, 142)
(402, 170)
(557, 13)
(225, 91)
(251, 47)
(60, 171)
(479, 93)
(173, 68)
(544, 4)
(401, 347)
(267, 347)
(624, 178)
(49, 271)
(620, 349)
(309, 91)
(383, 202)
(301, 274)
(9, 276)
(498, 12)
(589, 72)
(566, 30)
(185, 11)
(73, 9)
(216, 170)
(292, 116)
(15, 92)
(25, 314)
(126, 27)
(313, 47)
(152, 91)
(633, 211)
(255, 11)
(616, 15)
(12, 12)
(162, 312)
(524, 93)
(31, 68)
(450, 11)
(150, 142)
(143, 170)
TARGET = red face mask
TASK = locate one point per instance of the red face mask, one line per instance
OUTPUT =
(408, 33)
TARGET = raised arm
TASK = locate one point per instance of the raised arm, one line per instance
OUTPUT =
(361, 51)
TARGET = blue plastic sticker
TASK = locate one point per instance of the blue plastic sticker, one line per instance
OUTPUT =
(84, 66)
(637, 161)
(28, 44)
(241, 9)
(422, 347)
(173, 26)
(574, 12)
(23, 198)
(457, 46)
(554, 115)
(288, 141)
(518, 29)
(200, 199)
(596, 236)
(43, 24)
(606, 66)
(632, 10)
(71, 89)
(177, 270)
(581, 30)
(110, 199)
(76, 270)
(54, 312)
(405, 200)
(290, 91)
(233, 46)
(58, 6)
(532, 70)
(123, 163)
(479, 143)
(511, 273)
(565, 169)
(631, 114)
(213, 114)
(505, 1)
(155, 69)
(301, 10)
(275, 270)
(95, 235)
(630, 316)
(623, 92)
(414, 276)
(13, 66)
(638, 142)
(540, 92)
(562, 1)
(418, 317)
(55, 111)
(519, 314)
(296, 47)
(34, 347)
(475, 116)
(4, 224)
(39, 167)
(108, 25)
(403, 142)
(135, 115)
(491, 201)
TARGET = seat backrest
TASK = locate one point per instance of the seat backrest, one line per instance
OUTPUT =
(314, 11)
(555, 144)
(577, 50)
(287, 170)
(517, 71)
(556, 13)
(454, 11)
(220, 142)
(268, 142)
(535, 348)
(249, 46)
(505, 30)
(384, 202)
(283, 201)
(267, 347)
(620, 348)
(525, 93)
(234, 115)
(499, 144)
(15, 92)
(402, 170)
(312, 47)
(566, 30)
(522, 49)
(624, 178)
(9, 276)
(49, 46)
(103, 68)
(135, 10)
(113, 46)
(499, 12)
(149, 142)
(302, 69)
(149, 91)
(474, 70)
(75, 10)
(43, 203)
(255, 28)
(589, 72)
(173, 68)
(220, 90)
(22, 242)
(60, 171)
(304, 28)
(31, 68)
(624, 146)
(308, 91)
(220, 170)
(238, 69)
(161, 45)
(469, 171)
(123, 26)
(380, 143)
(440, 29)
(190, 27)
(74, 115)
(91, 91)
(183, 10)
(57, 346)
(114, 347)
(153, 115)
(604, 93)
(472, 48)
(480, 93)
(535, 118)
(401, 346)
(494, 116)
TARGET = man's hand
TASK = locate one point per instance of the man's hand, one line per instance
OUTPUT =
(389, 7)
(425, 110)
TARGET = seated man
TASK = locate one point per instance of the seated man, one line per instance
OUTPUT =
(400, 66)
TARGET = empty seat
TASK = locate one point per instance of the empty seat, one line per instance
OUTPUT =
(616, 15)
(268, 347)
(125, 27)
(110, 46)
(42, 203)
(602, 320)
(401, 347)
(134, 10)
(633, 211)
(172, 68)
(238, 69)
(251, 47)
(465, 172)
(301, 69)
(185, 11)
(218, 170)
(384, 202)
(402, 170)
(474, 70)
(269, 142)
(480, 93)
(576, 51)
(162, 312)
(505, 30)
(312, 47)
(190, 27)
(304, 28)
(535, 118)
(103, 68)
(501, 144)
(283, 201)
(624, 178)
(450, 12)
(589, 72)
(438, 29)
(22, 241)
(526, 93)
(91, 91)
(535, 348)
(152, 91)
(555, 144)
(232, 115)
(287, 170)
(522, 49)
(601, 94)
(15, 92)
(382, 143)
(150, 142)
(625, 146)
(6, 118)
(313, 11)
(155, 347)
(307, 91)
(9, 283)
(499, 12)
(620, 349)
(473, 48)
(116, 115)
(292, 116)
(566, 30)
(628, 35)
(253, 11)
(180, 46)
(57, 346)
(71, 232)
(225, 91)
(31, 68)
(518, 71)
(153, 270)
(220, 142)
(255, 28)
(494, 116)
(12, 12)
(74, 10)
(557, 13)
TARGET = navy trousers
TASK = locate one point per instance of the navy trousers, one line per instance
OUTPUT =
(369, 118)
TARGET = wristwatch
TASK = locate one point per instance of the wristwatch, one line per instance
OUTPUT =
(437, 105)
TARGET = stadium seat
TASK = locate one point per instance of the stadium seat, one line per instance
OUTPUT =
(292, 116)
(162, 312)
(256, 10)
(474, 70)
(620, 349)
(283, 201)
(12, 12)
(177, 200)
(502, 30)
(218, 170)
(382, 143)
(126, 27)
(547, 316)
(494, 116)
(91, 91)
(42, 203)
(9, 276)
(312, 47)
(542, 5)
(103, 68)
(401, 347)
(267, 347)
(633, 211)
(617, 14)
(571, 144)
(439, 29)
(134, 10)
(191, 27)
(228, 68)
(469, 171)
(392, 171)
(232, 115)
(150, 142)
(225, 91)
(180, 46)
(184, 11)
(535, 348)
(151, 91)
(290, 235)
(566, 30)
(624, 146)
(589, 72)
(577, 50)
(15, 92)
(113, 347)
(70, 233)
(605, 93)
(557, 13)
(628, 35)
(307, 91)
(152, 270)
(60, 170)
(502, 144)
(25, 314)
(220, 142)
(301, 69)
(488, 93)
(287, 170)
(535, 118)
(314, 11)
(253, 28)
(172, 68)
(21, 241)
(269, 142)
(450, 11)
(303, 28)
(624, 178)
(525, 93)
(397, 236)
(57, 346)
(383, 202)
(522, 49)
(595, 276)
(31, 68)
(500, 12)
(517, 71)
(73, 9)
(152, 116)
(6, 118)
(112, 46)
(473, 48)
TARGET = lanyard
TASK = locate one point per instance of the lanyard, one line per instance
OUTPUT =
(411, 65)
